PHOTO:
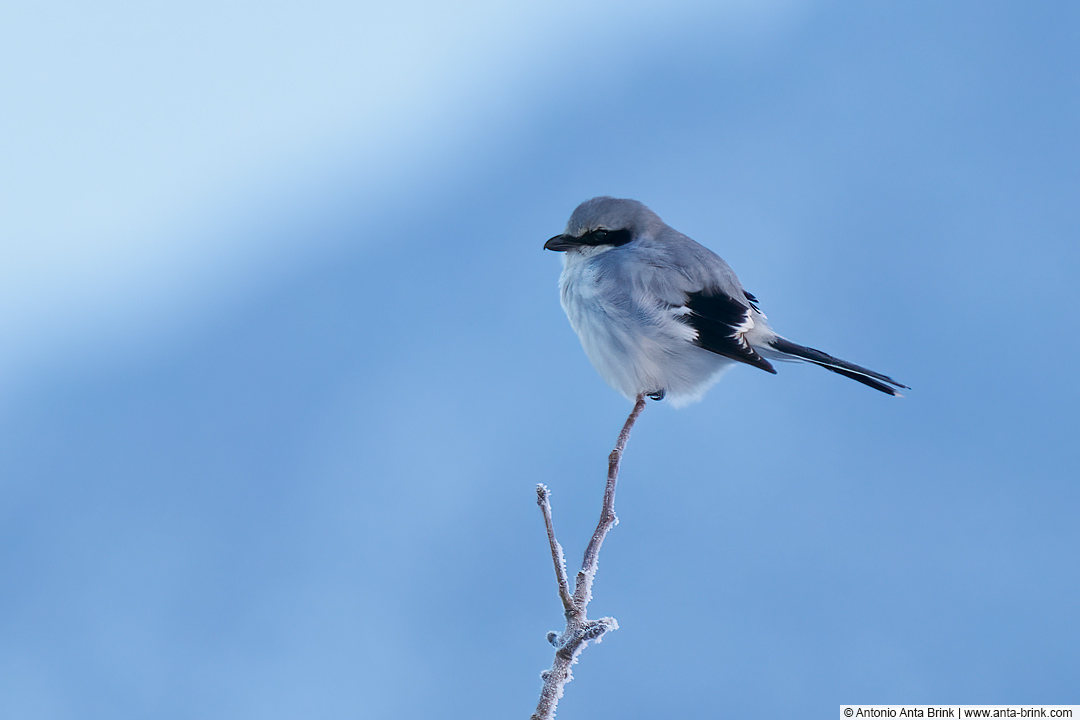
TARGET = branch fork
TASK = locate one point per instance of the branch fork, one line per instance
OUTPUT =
(579, 631)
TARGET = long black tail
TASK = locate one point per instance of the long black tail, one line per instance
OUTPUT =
(855, 372)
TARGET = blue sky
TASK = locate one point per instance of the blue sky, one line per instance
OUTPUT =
(283, 359)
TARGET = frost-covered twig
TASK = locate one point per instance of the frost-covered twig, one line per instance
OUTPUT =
(579, 629)
(556, 549)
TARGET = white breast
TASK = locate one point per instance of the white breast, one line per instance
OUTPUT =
(633, 339)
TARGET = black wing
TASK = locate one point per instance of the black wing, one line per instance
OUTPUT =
(720, 321)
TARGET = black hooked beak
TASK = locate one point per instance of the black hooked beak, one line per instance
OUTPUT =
(562, 243)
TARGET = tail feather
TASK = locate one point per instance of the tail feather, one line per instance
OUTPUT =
(841, 367)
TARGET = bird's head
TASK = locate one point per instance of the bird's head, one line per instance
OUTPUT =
(604, 223)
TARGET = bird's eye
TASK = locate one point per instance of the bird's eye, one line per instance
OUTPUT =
(603, 236)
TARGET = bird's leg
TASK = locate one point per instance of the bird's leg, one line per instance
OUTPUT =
(658, 395)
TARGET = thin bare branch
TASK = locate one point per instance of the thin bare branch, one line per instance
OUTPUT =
(580, 631)
(608, 519)
(542, 495)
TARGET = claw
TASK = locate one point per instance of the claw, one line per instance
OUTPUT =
(658, 395)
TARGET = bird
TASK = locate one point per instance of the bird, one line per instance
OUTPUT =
(662, 316)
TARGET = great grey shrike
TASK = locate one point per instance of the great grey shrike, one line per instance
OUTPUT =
(660, 315)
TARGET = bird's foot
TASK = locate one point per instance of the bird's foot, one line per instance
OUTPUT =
(658, 395)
